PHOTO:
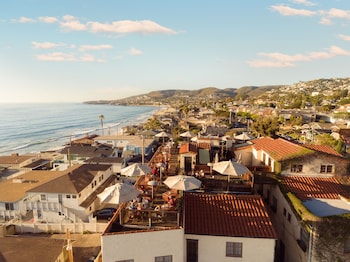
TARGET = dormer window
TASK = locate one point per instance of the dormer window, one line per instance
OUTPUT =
(326, 169)
(296, 168)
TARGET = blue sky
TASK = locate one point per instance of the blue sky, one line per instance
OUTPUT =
(73, 51)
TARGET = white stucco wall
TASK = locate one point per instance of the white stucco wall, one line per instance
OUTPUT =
(143, 246)
(213, 248)
(288, 230)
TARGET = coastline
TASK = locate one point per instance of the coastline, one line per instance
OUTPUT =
(36, 128)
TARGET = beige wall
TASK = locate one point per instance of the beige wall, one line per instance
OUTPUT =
(213, 248)
(143, 246)
(287, 231)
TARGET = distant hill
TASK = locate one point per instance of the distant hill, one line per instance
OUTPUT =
(172, 94)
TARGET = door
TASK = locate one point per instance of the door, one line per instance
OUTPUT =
(192, 250)
(188, 164)
(60, 199)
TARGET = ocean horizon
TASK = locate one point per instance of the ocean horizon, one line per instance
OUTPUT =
(35, 127)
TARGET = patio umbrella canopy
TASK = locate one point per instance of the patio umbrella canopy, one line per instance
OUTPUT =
(136, 169)
(181, 182)
(230, 168)
(243, 136)
(118, 193)
(187, 134)
(162, 134)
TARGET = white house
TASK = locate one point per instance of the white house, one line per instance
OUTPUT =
(70, 197)
(214, 227)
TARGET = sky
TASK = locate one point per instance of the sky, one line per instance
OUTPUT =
(82, 50)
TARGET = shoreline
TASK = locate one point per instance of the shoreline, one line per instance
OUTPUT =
(57, 135)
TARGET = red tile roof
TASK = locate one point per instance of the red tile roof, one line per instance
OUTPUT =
(227, 215)
(324, 149)
(315, 187)
(280, 149)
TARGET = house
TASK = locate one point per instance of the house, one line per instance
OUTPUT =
(285, 157)
(78, 153)
(70, 197)
(13, 192)
(213, 227)
(127, 145)
(309, 202)
(117, 162)
(222, 227)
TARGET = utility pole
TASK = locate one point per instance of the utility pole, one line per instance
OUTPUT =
(143, 149)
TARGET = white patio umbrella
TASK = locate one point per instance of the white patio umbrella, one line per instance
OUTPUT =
(162, 135)
(230, 168)
(244, 136)
(118, 193)
(136, 169)
(182, 182)
(187, 134)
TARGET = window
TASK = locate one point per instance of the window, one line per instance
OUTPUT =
(74, 196)
(43, 197)
(9, 206)
(284, 212)
(289, 217)
(67, 196)
(274, 204)
(192, 250)
(326, 169)
(233, 249)
(164, 259)
(296, 168)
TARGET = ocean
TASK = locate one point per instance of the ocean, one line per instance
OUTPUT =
(31, 128)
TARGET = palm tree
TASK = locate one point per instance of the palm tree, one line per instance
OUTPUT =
(101, 117)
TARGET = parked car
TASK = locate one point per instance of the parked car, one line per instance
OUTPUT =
(106, 213)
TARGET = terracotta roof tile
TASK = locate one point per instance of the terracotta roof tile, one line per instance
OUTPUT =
(227, 215)
(324, 149)
(280, 149)
(315, 187)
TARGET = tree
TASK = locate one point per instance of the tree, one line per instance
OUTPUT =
(266, 126)
(101, 117)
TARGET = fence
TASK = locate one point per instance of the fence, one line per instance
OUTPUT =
(81, 228)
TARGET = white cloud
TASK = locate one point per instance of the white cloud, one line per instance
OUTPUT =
(128, 26)
(70, 23)
(303, 2)
(57, 57)
(45, 45)
(345, 37)
(288, 11)
(338, 13)
(326, 21)
(94, 47)
(48, 19)
(134, 51)
(285, 60)
(25, 20)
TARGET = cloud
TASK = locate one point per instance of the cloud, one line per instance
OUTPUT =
(345, 37)
(288, 11)
(128, 26)
(48, 19)
(25, 20)
(94, 47)
(285, 60)
(70, 23)
(303, 2)
(45, 45)
(57, 57)
(134, 51)
(338, 13)
(326, 16)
